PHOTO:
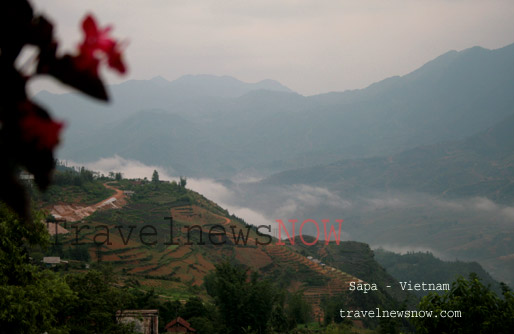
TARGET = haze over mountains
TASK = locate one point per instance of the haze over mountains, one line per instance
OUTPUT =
(421, 161)
(218, 126)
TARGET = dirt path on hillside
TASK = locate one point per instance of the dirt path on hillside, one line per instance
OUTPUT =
(119, 196)
(73, 213)
(230, 232)
(227, 220)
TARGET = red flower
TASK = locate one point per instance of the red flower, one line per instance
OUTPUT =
(115, 60)
(45, 132)
(96, 44)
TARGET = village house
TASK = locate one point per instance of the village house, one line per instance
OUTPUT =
(52, 261)
(179, 325)
(145, 321)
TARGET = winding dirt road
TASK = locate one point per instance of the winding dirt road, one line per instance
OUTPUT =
(73, 213)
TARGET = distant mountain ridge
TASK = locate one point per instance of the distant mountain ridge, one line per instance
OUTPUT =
(189, 86)
(243, 127)
(425, 267)
(481, 165)
(133, 96)
(224, 86)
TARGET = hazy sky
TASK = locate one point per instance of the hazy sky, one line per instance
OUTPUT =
(311, 46)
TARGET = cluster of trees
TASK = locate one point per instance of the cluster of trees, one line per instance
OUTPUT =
(34, 300)
(181, 184)
(241, 303)
(202, 316)
(80, 182)
(118, 176)
(70, 177)
(481, 309)
(29, 299)
(251, 304)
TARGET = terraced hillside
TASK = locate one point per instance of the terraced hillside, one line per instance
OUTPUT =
(336, 281)
(164, 237)
(358, 260)
(196, 251)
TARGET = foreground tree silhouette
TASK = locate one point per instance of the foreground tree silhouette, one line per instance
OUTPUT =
(28, 135)
(34, 300)
(482, 310)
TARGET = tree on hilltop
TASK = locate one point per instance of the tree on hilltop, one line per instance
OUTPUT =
(182, 182)
(155, 177)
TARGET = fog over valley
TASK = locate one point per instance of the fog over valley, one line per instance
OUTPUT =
(468, 228)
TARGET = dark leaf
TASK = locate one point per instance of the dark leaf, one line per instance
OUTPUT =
(41, 33)
(15, 24)
(12, 192)
(67, 71)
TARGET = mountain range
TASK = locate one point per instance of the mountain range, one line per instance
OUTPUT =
(219, 126)
(480, 165)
